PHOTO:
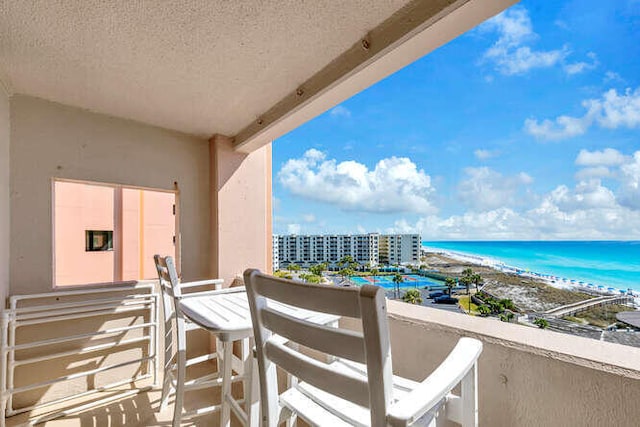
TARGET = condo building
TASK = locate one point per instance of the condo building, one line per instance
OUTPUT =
(307, 250)
(399, 249)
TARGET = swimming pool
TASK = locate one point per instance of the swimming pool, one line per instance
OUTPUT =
(410, 281)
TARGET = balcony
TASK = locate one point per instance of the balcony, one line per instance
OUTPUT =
(194, 111)
(526, 376)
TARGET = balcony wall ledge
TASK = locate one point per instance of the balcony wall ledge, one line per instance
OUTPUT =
(589, 353)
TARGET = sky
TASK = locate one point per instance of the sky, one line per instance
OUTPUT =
(525, 128)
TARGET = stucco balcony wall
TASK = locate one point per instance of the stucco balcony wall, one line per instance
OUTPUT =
(527, 376)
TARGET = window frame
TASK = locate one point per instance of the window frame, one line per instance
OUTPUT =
(117, 229)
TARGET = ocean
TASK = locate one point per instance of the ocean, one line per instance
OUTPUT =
(607, 263)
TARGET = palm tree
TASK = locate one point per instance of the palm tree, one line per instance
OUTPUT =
(450, 282)
(466, 281)
(374, 272)
(346, 272)
(477, 280)
(346, 260)
(397, 280)
(412, 296)
(318, 269)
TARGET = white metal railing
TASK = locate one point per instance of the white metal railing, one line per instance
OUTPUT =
(76, 306)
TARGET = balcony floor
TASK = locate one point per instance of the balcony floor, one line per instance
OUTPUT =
(141, 410)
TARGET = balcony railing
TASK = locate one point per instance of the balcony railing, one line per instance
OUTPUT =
(526, 376)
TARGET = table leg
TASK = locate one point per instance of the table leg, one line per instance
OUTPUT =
(251, 385)
(225, 415)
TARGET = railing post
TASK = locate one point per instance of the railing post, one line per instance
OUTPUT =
(469, 396)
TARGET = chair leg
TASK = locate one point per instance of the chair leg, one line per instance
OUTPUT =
(225, 415)
(180, 379)
(252, 398)
(166, 390)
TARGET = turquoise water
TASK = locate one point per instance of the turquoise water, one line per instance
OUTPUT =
(608, 263)
(410, 281)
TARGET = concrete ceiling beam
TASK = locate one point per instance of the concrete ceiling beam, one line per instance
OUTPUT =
(415, 30)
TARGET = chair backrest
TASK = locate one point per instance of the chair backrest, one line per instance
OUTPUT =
(170, 288)
(370, 347)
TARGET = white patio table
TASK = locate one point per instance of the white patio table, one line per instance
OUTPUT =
(226, 312)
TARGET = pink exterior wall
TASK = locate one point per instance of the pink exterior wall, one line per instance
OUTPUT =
(80, 207)
(130, 234)
(156, 211)
(147, 227)
(240, 208)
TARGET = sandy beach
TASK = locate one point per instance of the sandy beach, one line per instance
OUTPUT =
(529, 291)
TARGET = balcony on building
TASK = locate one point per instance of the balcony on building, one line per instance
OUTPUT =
(188, 101)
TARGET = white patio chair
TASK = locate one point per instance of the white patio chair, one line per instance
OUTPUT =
(356, 387)
(175, 358)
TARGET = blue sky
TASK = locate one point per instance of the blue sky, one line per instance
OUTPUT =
(527, 127)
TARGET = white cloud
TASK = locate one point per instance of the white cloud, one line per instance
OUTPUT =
(340, 111)
(510, 52)
(589, 194)
(485, 189)
(361, 229)
(630, 183)
(395, 184)
(582, 66)
(610, 76)
(293, 229)
(547, 221)
(614, 110)
(589, 210)
(563, 127)
(309, 217)
(606, 157)
(513, 54)
(611, 110)
(593, 172)
(482, 154)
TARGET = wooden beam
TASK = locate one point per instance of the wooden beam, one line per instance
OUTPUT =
(413, 31)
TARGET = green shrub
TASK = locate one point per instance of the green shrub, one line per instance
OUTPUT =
(541, 323)
(412, 296)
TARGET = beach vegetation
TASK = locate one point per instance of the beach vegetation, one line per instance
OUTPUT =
(318, 269)
(476, 279)
(541, 323)
(412, 296)
(293, 267)
(466, 281)
(484, 310)
(374, 272)
(470, 277)
(283, 274)
(467, 303)
(506, 316)
(601, 317)
(310, 278)
(507, 304)
(451, 283)
(346, 272)
(347, 262)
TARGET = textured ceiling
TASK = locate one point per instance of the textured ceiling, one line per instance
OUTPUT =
(200, 67)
